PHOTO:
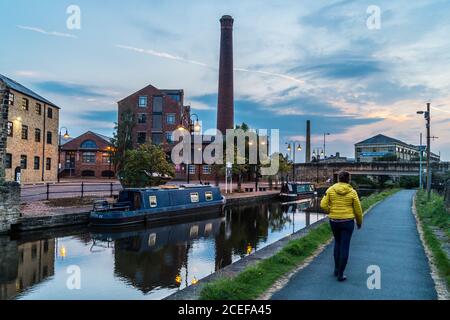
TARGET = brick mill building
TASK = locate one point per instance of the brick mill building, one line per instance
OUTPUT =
(88, 155)
(31, 124)
(157, 113)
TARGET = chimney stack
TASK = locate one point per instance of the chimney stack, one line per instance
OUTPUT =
(308, 142)
(225, 104)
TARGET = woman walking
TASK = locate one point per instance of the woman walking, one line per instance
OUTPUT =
(342, 203)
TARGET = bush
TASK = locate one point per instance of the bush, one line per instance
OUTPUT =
(409, 182)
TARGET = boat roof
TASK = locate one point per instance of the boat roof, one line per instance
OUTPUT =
(171, 187)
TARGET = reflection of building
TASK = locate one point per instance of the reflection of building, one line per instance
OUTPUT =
(32, 133)
(382, 147)
(88, 155)
(28, 264)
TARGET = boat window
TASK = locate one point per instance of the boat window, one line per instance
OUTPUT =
(153, 201)
(194, 196)
(208, 196)
(208, 229)
(304, 188)
(289, 187)
(152, 239)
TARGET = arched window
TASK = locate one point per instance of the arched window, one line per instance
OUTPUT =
(88, 144)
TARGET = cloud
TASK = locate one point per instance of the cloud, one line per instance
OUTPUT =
(71, 89)
(49, 33)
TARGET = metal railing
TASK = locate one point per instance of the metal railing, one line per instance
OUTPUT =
(69, 190)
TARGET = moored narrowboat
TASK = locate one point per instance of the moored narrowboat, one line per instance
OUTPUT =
(294, 191)
(141, 205)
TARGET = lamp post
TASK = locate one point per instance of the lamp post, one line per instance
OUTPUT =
(110, 151)
(193, 127)
(317, 153)
(420, 162)
(427, 117)
(324, 143)
(294, 146)
(66, 136)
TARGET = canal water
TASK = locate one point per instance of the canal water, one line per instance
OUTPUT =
(143, 262)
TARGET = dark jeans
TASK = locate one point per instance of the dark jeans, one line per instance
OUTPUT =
(342, 232)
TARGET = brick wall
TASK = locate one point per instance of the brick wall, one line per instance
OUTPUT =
(3, 128)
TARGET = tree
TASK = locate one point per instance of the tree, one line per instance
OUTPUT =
(122, 139)
(284, 166)
(146, 166)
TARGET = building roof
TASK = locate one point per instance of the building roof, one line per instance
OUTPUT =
(159, 91)
(381, 139)
(101, 136)
(22, 89)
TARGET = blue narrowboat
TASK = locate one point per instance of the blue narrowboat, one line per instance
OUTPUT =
(159, 204)
(294, 191)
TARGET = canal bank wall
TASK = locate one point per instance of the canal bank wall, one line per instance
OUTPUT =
(9, 205)
(193, 292)
(68, 218)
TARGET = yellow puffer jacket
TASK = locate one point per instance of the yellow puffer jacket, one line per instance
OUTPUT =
(341, 202)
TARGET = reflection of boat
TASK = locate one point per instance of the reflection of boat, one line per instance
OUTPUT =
(293, 191)
(139, 239)
(157, 204)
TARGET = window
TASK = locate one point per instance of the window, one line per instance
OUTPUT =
(88, 173)
(141, 137)
(10, 129)
(170, 119)
(169, 137)
(106, 158)
(88, 157)
(8, 161)
(142, 118)
(174, 96)
(37, 135)
(48, 164)
(191, 169)
(23, 161)
(37, 162)
(25, 104)
(194, 196)
(49, 112)
(24, 132)
(157, 104)
(157, 138)
(142, 101)
(49, 137)
(153, 201)
(206, 169)
(38, 108)
(157, 122)
(11, 99)
(208, 196)
(88, 144)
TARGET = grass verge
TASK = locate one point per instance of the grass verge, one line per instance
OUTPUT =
(256, 279)
(434, 214)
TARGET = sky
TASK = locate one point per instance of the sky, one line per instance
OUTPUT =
(325, 61)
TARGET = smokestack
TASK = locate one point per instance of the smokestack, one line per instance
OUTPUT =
(308, 142)
(225, 104)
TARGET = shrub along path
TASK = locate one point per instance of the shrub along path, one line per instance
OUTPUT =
(389, 239)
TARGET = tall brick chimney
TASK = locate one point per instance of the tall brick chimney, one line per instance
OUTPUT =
(225, 104)
(308, 142)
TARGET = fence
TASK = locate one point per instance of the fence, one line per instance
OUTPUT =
(68, 190)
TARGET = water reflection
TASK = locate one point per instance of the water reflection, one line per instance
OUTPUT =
(148, 263)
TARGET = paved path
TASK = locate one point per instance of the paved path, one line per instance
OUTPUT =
(389, 239)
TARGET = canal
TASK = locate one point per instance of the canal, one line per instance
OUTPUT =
(143, 262)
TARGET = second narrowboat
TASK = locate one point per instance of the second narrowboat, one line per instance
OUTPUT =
(294, 191)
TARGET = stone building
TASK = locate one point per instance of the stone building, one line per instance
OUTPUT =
(380, 146)
(31, 123)
(88, 155)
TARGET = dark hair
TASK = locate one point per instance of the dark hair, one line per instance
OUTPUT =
(344, 176)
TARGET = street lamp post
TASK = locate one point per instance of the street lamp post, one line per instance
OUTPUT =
(324, 143)
(317, 153)
(420, 162)
(110, 151)
(427, 117)
(193, 127)
(66, 136)
(295, 147)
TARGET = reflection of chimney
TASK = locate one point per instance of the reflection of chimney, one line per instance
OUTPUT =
(225, 104)
(308, 142)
